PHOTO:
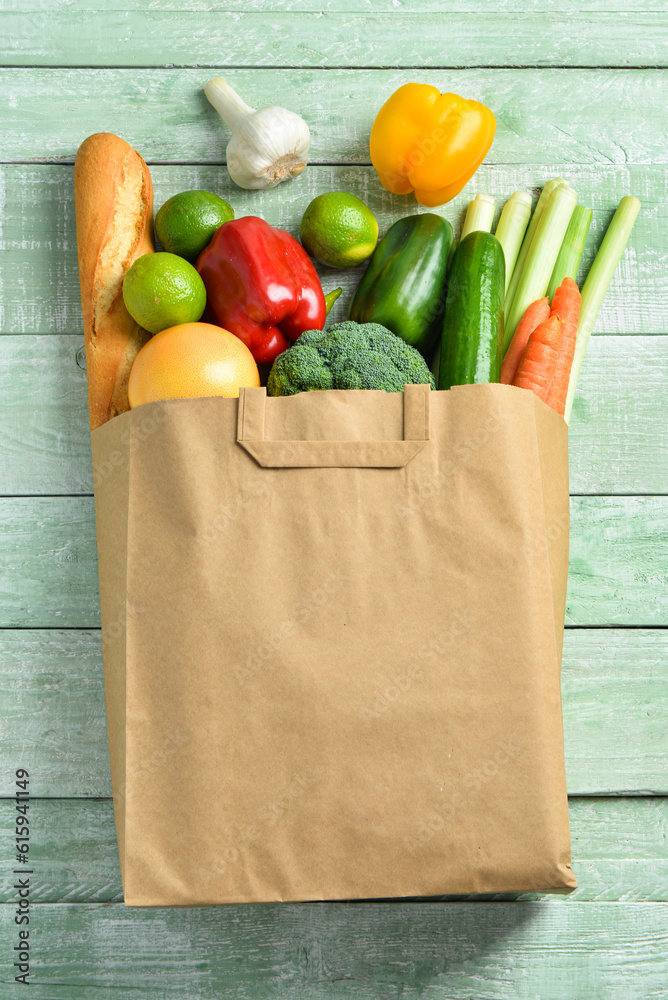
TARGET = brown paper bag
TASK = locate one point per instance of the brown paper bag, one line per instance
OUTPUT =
(332, 629)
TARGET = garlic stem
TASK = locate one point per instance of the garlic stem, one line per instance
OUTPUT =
(231, 108)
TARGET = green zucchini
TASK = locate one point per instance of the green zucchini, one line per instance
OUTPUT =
(472, 338)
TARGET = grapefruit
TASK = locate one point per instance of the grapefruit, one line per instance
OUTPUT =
(192, 359)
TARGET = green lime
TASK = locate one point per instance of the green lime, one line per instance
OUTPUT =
(338, 229)
(186, 223)
(162, 290)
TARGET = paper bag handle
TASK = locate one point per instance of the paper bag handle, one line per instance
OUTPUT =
(333, 454)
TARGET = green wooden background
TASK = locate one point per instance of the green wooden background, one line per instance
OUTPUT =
(579, 90)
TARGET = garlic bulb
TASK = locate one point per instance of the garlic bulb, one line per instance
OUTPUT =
(267, 146)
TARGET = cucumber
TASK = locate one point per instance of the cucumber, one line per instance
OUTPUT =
(472, 338)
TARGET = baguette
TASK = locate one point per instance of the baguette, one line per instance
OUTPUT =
(113, 197)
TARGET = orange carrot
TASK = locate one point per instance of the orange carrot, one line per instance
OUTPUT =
(536, 369)
(535, 314)
(566, 305)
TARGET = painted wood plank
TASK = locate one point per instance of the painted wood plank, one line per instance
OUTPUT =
(610, 582)
(73, 850)
(481, 7)
(618, 570)
(609, 432)
(618, 434)
(620, 850)
(615, 699)
(615, 705)
(37, 232)
(50, 556)
(44, 426)
(449, 951)
(486, 37)
(584, 116)
(53, 713)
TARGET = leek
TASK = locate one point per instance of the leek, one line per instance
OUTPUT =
(542, 255)
(479, 215)
(512, 227)
(526, 243)
(570, 254)
(598, 280)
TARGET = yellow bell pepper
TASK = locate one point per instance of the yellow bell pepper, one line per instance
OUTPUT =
(429, 142)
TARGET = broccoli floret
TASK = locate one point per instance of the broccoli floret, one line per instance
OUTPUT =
(348, 356)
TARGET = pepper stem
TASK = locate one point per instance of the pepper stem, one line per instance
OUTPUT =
(331, 298)
(227, 103)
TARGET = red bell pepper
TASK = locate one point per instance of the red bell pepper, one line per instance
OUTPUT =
(261, 286)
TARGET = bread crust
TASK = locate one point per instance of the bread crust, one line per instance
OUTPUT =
(113, 197)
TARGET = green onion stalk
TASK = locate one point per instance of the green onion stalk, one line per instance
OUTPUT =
(541, 256)
(528, 238)
(570, 255)
(511, 229)
(597, 283)
(479, 215)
